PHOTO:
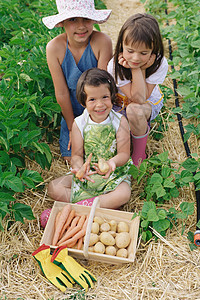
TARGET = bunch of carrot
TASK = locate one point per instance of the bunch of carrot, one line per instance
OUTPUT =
(69, 228)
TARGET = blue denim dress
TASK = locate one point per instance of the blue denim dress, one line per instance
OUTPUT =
(72, 72)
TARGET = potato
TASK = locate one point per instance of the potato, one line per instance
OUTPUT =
(122, 239)
(113, 225)
(94, 238)
(99, 248)
(91, 249)
(103, 165)
(122, 227)
(99, 220)
(113, 233)
(107, 239)
(95, 228)
(111, 250)
(122, 253)
(104, 227)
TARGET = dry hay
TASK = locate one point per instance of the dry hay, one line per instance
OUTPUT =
(163, 269)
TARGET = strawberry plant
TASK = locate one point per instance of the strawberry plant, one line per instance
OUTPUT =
(161, 183)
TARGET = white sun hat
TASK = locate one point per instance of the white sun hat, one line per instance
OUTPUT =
(76, 9)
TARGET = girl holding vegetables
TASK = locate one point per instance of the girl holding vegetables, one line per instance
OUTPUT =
(98, 133)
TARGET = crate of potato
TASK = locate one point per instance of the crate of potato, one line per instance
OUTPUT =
(93, 233)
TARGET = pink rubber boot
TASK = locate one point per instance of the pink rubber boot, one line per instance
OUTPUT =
(86, 202)
(139, 146)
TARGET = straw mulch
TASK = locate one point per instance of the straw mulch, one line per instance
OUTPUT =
(163, 269)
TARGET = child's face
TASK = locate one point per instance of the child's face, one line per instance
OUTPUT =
(78, 29)
(136, 54)
(98, 102)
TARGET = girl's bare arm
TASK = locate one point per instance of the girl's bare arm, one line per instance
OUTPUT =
(53, 52)
(102, 47)
(137, 90)
(77, 147)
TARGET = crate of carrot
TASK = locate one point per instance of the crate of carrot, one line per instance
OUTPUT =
(68, 225)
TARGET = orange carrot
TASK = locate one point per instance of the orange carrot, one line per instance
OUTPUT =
(81, 221)
(71, 244)
(69, 234)
(74, 221)
(80, 243)
(61, 221)
(76, 236)
(73, 224)
(67, 223)
(57, 218)
(73, 239)
(84, 167)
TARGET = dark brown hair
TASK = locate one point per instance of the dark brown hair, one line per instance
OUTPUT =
(139, 28)
(94, 77)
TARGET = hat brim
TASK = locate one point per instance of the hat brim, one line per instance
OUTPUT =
(98, 16)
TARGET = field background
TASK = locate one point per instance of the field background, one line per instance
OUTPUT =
(163, 269)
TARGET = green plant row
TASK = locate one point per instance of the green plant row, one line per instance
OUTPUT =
(179, 22)
(29, 113)
(161, 180)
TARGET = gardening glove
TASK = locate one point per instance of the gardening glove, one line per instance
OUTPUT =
(80, 275)
(53, 273)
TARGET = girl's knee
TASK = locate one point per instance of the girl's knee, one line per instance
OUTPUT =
(135, 112)
(51, 189)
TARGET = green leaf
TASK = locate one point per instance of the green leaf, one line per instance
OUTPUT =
(144, 224)
(186, 177)
(25, 77)
(193, 247)
(133, 171)
(165, 172)
(146, 207)
(163, 156)
(174, 192)
(21, 211)
(168, 183)
(7, 197)
(4, 142)
(196, 44)
(4, 207)
(190, 164)
(190, 236)
(15, 184)
(152, 215)
(161, 225)
(34, 175)
(162, 214)
(1, 225)
(156, 178)
(4, 158)
(187, 208)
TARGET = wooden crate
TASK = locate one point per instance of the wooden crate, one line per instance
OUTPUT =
(107, 214)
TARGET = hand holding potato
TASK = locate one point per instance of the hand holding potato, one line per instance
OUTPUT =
(104, 167)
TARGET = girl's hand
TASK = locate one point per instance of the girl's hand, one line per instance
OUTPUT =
(149, 63)
(86, 175)
(122, 61)
(112, 167)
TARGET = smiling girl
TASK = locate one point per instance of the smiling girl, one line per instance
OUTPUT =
(139, 67)
(71, 53)
(104, 133)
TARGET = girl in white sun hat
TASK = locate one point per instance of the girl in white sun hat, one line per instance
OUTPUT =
(71, 53)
